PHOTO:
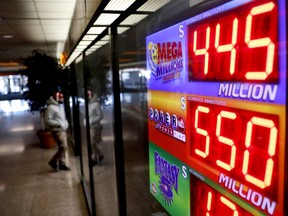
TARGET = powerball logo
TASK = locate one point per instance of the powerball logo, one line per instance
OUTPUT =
(165, 60)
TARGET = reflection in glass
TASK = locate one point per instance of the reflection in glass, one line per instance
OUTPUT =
(100, 108)
(95, 116)
(79, 72)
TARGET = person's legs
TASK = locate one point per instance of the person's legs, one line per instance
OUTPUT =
(97, 155)
(60, 138)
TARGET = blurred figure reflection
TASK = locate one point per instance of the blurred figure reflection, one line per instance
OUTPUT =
(95, 116)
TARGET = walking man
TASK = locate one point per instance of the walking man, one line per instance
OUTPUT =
(56, 121)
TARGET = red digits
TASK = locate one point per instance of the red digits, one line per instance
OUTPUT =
(215, 139)
(233, 47)
(260, 42)
(266, 123)
(202, 132)
(214, 203)
(200, 49)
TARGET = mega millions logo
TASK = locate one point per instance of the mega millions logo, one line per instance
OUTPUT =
(165, 60)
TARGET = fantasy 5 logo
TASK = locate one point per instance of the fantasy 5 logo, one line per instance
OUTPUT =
(169, 174)
(166, 58)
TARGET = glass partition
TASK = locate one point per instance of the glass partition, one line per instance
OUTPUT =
(135, 134)
(100, 108)
(134, 106)
(83, 163)
(145, 188)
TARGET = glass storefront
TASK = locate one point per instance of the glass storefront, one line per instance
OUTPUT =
(94, 73)
(100, 73)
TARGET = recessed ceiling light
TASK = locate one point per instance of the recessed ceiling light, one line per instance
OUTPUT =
(7, 36)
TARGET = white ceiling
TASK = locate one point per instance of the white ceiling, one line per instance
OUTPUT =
(26, 25)
(33, 24)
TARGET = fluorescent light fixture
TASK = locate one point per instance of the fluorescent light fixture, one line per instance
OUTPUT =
(81, 46)
(78, 50)
(96, 30)
(106, 19)
(75, 54)
(77, 58)
(133, 19)
(89, 37)
(153, 5)
(72, 57)
(101, 43)
(119, 5)
(89, 52)
(95, 46)
(92, 49)
(106, 38)
(69, 61)
(84, 43)
(122, 29)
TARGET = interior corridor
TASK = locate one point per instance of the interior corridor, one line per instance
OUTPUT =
(28, 185)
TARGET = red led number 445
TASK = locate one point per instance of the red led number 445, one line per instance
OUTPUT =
(241, 45)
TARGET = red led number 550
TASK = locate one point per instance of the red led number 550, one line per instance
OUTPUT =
(240, 143)
(240, 46)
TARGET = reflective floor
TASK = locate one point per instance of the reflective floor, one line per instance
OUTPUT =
(28, 186)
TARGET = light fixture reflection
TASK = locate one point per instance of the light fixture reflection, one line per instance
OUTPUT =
(24, 128)
(11, 149)
(2, 187)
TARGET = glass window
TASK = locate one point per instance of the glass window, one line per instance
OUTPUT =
(100, 109)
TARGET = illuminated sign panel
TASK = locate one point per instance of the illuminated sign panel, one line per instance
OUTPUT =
(217, 109)
(240, 45)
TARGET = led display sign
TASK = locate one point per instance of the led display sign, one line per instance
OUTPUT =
(239, 45)
(217, 111)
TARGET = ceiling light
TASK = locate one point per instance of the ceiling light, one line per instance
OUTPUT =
(92, 49)
(89, 52)
(80, 48)
(96, 30)
(133, 19)
(106, 38)
(89, 37)
(153, 5)
(84, 43)
(101, 43)
(106, 19)
(119, 5)
(122, 29)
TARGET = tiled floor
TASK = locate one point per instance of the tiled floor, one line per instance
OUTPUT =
(28, 186)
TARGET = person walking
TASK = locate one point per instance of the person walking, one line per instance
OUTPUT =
(57, 123)
(95, 116)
